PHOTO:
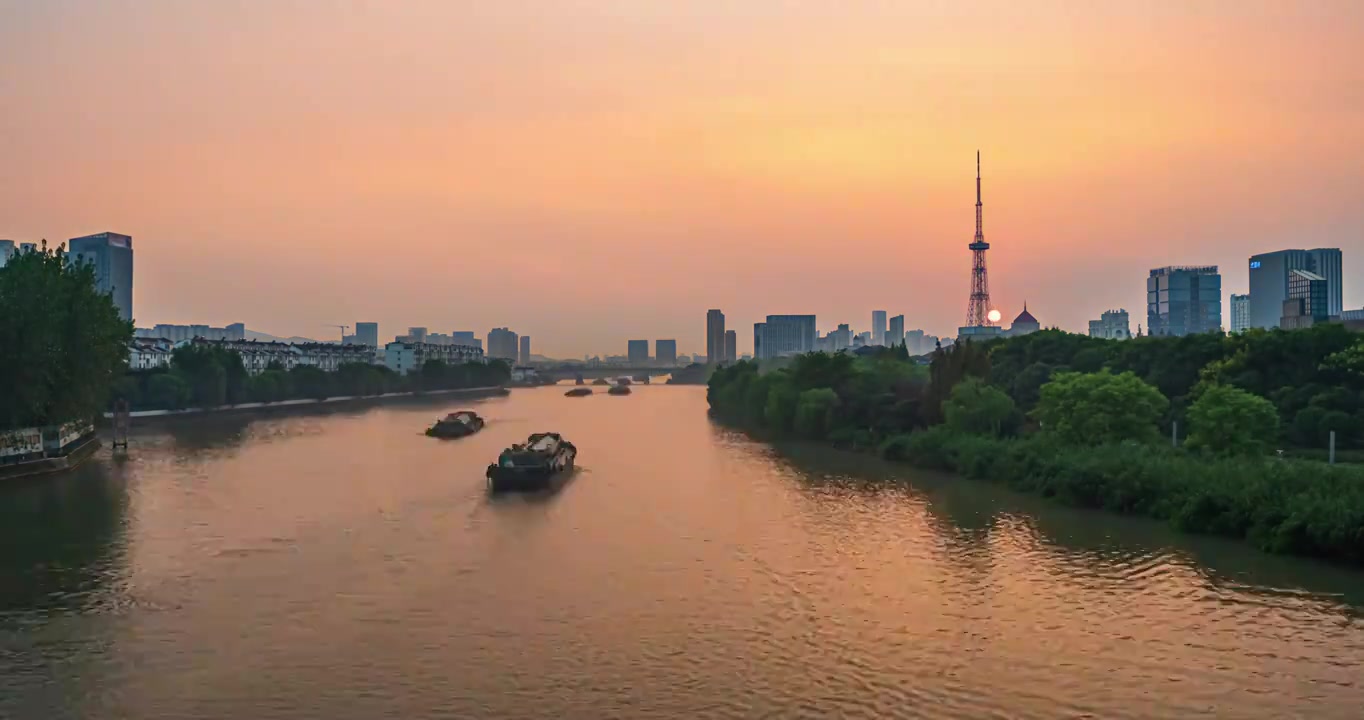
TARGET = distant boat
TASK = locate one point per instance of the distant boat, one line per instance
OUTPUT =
(600, 381)
(456, 425)
(578, 392)
(543, 462)
(619, 390)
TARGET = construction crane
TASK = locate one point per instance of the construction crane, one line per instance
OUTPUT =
(344, 328)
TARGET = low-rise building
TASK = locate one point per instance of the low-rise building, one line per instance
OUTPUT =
(149, 353)
(257, 355)
(1112, 325)
(404, 357)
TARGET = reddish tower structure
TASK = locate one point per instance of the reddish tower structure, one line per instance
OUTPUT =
(978, 312)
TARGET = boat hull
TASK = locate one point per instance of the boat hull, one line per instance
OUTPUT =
(454, 430)
(549, 476)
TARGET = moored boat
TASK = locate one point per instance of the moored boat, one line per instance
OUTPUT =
(619, 390)
(578, 392)
(543, 462)
(456, 425)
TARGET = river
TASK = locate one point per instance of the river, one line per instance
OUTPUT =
(342, 565)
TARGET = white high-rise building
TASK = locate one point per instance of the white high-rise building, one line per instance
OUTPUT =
(878, 327)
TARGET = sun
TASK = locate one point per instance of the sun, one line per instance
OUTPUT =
(994, 316)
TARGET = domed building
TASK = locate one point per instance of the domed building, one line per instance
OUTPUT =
(1024, 324)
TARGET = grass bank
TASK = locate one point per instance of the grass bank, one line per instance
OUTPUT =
(1282, 506)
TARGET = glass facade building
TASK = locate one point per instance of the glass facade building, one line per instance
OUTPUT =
(1183, 300)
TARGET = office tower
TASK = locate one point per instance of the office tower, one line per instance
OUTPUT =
(731, 346)
(914, 342)
(1271, 272)
(1240, 313)
(1184, 300)
(1112, 325)
(665, 352)
(878, 327)
(843, 338)
(897, 331)
(417, 334)
(6, 251)
(1307, 300)
(759, 346)
(638, 352)
(1326, 262)
(525, 350)
(367, 333)
(785, 335)
(715, 336)
(502, 344)
(111, 255)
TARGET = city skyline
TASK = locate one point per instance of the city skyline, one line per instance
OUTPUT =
(321, 169)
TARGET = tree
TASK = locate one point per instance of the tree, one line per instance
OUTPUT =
(167, 391)
(1098, 408)
(1230, 421)
(815, 412)
(976, 408)
(310, 382)
(62, 342)
(782, 399)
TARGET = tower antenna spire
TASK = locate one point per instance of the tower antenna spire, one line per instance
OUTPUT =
(978, 312)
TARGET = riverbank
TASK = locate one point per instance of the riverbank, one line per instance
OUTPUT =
(1280, 506)
(326, 402)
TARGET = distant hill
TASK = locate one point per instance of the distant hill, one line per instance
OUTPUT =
(266, 337)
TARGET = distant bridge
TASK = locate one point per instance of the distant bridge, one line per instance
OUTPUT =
(571, 372)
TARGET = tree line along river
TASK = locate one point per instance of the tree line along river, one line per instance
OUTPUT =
(343, 565)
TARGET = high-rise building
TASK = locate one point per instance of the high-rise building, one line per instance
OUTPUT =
(665, 352)
(759, 346)
(1270, 274)
(715, 336)
(878, 327)
(367, 333)
(111, 255)
(843, 337)
(1240, 313)
(897, 331)
(6, 251)
(638, 352)
(502, 344)
(785, 335)
(1326, 262)
(1112, 325)
(465, 338)
(731, 346)
(914, 342)
(1184, 300)
(524, 358)
(1307, 301)
(417, 334)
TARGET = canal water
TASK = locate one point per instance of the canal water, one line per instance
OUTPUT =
(345, 566)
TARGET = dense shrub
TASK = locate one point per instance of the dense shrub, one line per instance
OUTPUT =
(1230, 421)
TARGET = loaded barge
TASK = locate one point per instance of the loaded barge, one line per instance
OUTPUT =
(543, 462)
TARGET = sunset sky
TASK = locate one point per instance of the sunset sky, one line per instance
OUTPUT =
(592, 171)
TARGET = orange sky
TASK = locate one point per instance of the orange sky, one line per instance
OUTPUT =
(592, 171)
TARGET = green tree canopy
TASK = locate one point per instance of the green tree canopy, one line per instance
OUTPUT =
(1230, 421)
(1098, 408)
(62, 342)
(979, 409)
(815, 412)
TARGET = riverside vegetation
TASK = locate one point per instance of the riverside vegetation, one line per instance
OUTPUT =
(64, 356)
(1088, 422)
(204, 376)
(62, 342)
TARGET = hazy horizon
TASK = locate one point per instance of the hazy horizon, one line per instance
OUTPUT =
(592, 172)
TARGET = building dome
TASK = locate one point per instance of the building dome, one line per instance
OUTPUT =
(1025, 323)
(1025, 318)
